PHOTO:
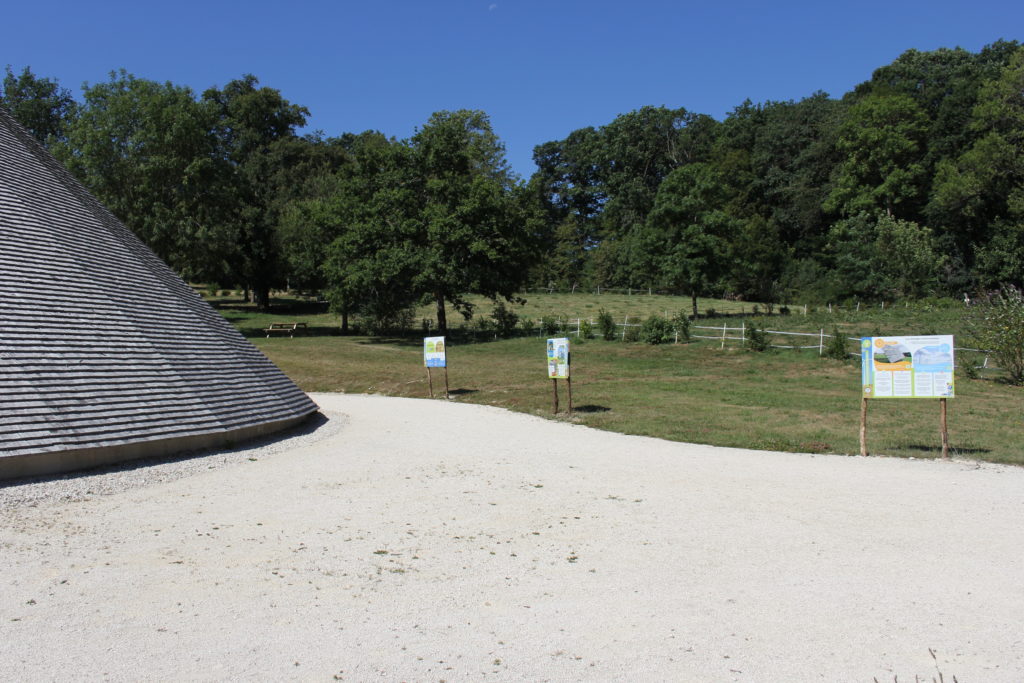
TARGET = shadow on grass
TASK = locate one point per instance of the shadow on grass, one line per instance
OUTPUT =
(463, 392)
(590, 408)
(952, 448)
(316, 331)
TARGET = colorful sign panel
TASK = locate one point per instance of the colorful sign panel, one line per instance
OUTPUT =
(907, 367)
(558, 358)
(433, 352)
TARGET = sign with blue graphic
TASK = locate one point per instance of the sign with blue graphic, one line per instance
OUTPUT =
(433, 352)
(907, 367)
(558, 358)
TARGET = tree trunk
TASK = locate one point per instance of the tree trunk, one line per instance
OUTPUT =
(442, 321)
(344, 320)
(693, 298)
(261, 297)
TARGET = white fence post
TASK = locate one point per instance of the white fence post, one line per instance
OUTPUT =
(723, 336)
(821, 342)
(743, 333)
(625, 322)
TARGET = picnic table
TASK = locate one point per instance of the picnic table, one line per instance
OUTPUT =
(290, 328)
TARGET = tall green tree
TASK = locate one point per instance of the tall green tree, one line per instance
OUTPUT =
(146, 150)
(40, 104)
(883, 141)
(253, 126)
(981, 194)
(476, 230)
(689, 232)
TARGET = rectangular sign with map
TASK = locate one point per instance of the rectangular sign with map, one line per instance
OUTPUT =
(907, 367)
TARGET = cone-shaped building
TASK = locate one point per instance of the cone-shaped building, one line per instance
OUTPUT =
(105, 353)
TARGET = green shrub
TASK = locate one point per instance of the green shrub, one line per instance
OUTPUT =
(657, 330)
(505, 320)
(606, 324)
(681, 324)
(710, 313)
(528, 326)
(996, 323)
(757, 338)
(586, 330)
(835, 347)
(550, 325)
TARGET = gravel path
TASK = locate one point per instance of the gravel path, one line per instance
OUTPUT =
(414, 540)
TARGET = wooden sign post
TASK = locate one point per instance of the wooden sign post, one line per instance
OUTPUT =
(942, 427)
(435, 356)
(558, 368)
(907, 367)
(864, 425)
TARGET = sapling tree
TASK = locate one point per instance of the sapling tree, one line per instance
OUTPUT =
(996, 323)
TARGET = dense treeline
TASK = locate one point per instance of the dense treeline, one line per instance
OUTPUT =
(910, 185)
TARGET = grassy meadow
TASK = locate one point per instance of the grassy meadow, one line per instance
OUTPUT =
(696, 392)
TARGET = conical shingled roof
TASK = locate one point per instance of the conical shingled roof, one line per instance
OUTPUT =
(105, 353)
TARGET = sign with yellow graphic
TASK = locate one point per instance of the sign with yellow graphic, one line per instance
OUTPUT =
(433, 352)
(558, 358)
(907, 367)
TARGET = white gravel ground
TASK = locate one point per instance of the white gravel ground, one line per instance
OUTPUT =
(414, 540)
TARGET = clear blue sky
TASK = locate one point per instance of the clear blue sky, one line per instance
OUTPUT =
(539, 68)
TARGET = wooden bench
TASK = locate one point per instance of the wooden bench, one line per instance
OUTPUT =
(284, 327)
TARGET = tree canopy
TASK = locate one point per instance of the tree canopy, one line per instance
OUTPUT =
(911, 184)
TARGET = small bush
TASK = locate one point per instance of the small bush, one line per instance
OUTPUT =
(632, 333)
(606, 324)
(996, 322)
(757, 309)
(550, 325)
(968, 370)
(586, 330)
(710, 313)
(835, 347)
(528, 326)
(783, 310)
(757, 338)
(505, 320)
(681, 324)
(657, 330)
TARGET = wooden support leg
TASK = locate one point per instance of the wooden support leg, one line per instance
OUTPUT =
(430, 382)
(554, 386)
(943, 427)
(864, 425)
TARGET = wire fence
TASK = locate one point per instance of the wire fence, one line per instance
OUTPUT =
(724, 334)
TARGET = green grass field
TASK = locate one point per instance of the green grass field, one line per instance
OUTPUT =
(779, 400)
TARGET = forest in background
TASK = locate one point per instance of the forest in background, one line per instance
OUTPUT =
(909, 186)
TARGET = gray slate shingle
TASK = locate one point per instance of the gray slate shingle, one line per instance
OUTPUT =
(101, 344)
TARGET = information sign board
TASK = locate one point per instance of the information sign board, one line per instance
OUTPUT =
(433, 352)
(558, 358)
(907, 367)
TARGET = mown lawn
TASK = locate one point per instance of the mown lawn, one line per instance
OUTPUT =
(782, 400)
